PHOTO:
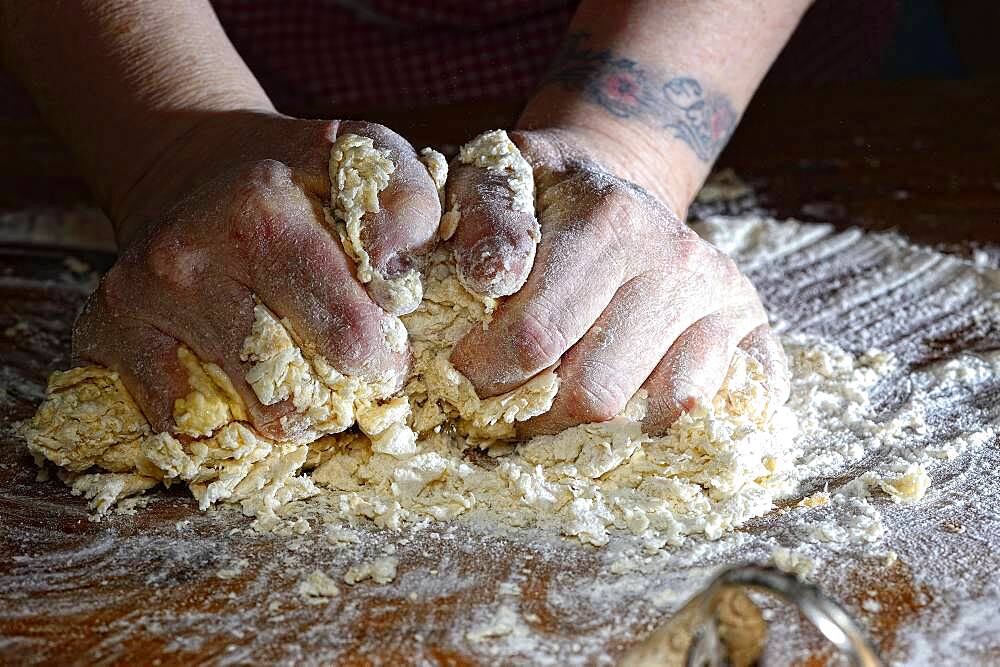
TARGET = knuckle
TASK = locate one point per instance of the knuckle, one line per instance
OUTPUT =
(614, 209)
(415, 202)
(536, 345)
(175, 262)
(616, 198)
(682, 391)
(327, 130)
(263, 215)
(595, 402)
(265, 172)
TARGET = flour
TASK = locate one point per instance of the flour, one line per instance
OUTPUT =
(923, 402)
(720, 465)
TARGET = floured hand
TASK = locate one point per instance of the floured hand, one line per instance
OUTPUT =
(232, 217)
(620, 293)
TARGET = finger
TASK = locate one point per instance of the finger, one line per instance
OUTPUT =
(695, 366)
(607, 366)
(764, 345)
(144, 358)
(496, 235)
(306, 277)
(575, 276)
(403, 230)
(214, 334)
(145, 345)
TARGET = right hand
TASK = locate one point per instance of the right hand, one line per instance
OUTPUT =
(621, 294)
(233, 215)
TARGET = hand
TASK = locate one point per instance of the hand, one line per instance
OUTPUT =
(621, 294)
(232, 215)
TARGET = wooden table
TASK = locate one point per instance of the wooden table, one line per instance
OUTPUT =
(169, 585)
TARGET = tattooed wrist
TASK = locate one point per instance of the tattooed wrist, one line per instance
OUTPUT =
(681, 105)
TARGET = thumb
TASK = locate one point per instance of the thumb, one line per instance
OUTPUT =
(491, 215)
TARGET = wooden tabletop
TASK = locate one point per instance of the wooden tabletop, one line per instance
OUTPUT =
(171, 585)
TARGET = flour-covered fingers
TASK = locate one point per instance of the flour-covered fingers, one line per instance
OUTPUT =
(332, 315)
(306, 277)
(490, 218)
(602, 371)
(764, 345)
(151, 305)
(390, 210)
(695, 366)
(145, 359)
(215, 334)
(576, 274)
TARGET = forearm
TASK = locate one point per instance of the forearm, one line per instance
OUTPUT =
(121, 81)
(657, 87)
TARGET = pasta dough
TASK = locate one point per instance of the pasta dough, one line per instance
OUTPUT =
(404, 458)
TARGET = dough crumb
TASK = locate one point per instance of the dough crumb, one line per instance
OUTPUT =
(380, 570)
(504, 622)
(910, 486)
(318, 588)
(817, 499)
(792, 562)
(437, 167)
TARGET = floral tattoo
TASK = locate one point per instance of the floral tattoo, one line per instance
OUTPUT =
(702, 119)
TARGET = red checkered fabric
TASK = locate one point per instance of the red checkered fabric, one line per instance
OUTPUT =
(353, 54)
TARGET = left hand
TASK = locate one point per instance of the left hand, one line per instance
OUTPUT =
(621, 294)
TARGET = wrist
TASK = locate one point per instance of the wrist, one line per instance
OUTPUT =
(628, 151)
(195, 148)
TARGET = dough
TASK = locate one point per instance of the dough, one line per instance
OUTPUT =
(404, 458)
(318, 588)
(359, 172)
(910, 486)
(495, 152)
(381, 571)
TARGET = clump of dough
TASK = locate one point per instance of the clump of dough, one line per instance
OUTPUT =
(358, 173)
(910, 486)
(88, 421)
(318, 588)
(495, 152)
(380, 570)
(212, 403)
